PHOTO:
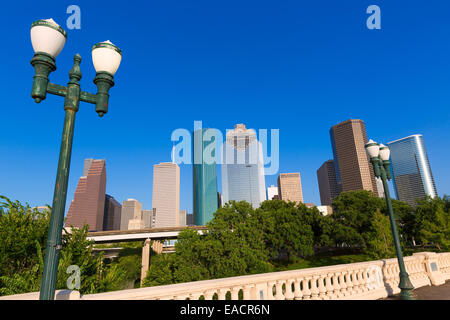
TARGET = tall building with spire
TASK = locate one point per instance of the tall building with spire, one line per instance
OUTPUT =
(204, 175)
(353, 169)
(166, 194)
(411, 169)
(243, 167)
(88, 204)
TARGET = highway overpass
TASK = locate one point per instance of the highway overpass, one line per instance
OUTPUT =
(140, 235)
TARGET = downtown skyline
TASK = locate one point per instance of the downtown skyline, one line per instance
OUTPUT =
(269, 82)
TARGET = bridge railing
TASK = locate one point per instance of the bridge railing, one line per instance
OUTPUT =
(365, 280)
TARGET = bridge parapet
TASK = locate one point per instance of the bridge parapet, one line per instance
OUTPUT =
(357, 281)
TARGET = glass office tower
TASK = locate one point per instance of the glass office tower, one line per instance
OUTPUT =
(204, 175)
(411, 169)
(243, 167)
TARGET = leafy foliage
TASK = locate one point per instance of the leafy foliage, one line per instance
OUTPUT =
(292, 232)
(432, 222)
(23, 235)
(240, 240)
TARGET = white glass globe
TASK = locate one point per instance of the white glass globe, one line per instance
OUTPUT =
(384, 152)
(106, 57)
(48, 37)
(372, 148)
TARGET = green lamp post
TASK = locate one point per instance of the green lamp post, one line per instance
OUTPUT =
(379, 156)
(48, 39)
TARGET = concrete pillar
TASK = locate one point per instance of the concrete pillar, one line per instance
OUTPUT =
(145, 259)
(157, 246)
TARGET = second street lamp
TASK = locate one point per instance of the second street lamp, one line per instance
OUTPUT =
(379, 156)
(48, 39)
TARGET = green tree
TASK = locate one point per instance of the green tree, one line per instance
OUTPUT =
(23, 235)
(77, 250)
(405, 216)
(292, 235)
(432, 222)
(362, 222)
(23, 232)
(234, 245)
(380, 243)
(161, 270)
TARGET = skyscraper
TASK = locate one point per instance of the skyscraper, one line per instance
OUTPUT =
(411, 169)
(183, 214)
(243, 167)
(189, 219)
(328, 186)
(131, 215)
(111, 217)
(149, 218)
(166, 194)
(88, 204)
(290, 187)
(204, 175)
(353, 170)
(271, 192)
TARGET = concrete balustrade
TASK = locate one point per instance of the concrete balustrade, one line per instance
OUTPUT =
(416, 268)
(443, 262)
(366, 280)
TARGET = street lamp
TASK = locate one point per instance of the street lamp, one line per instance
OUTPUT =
(48, 39)
(379, 156)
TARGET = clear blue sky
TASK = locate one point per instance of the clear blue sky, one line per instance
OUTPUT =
(297, 66)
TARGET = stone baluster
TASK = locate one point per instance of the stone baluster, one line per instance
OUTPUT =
(298, 294)
(389, 276)
(349, 283)
(194, 296)
(270, 285)
(343, 284)
(248, 293)
(321, 287)
(279, 290)
(314, 289)
(222, 293)
(329, 287)
(361, 281)
(336, 285)
(370, 279)
(209, 294)
(397, 274)
(306, 291)
(355, 281)
(289, 294)
(235, 293)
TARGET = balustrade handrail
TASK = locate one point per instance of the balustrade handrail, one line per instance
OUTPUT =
(204, 285)
(342, 281)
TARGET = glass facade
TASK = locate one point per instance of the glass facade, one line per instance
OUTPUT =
(204, 175)
(243, 167)
(336, 164)
(411, 169)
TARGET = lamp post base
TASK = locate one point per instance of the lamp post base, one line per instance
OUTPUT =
(406, 287)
